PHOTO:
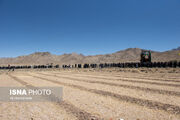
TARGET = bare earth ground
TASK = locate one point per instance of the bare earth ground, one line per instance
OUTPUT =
(90, 94)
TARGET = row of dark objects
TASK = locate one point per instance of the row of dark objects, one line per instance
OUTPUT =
(104, 65)
(81, 66)
(126, 65)
(29, 67)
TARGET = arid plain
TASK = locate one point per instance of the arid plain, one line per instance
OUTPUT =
(90, 94)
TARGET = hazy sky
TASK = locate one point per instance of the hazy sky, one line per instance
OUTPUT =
(87, 26)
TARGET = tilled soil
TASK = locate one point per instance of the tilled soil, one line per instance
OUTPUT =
(96, 95)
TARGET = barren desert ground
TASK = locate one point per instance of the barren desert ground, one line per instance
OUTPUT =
(93, 94)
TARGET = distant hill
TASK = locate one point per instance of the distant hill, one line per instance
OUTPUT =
(127, 55)
(178, 48)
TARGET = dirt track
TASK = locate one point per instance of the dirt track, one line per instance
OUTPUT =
(96, 94)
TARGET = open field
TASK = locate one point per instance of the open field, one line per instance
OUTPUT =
(90, 94)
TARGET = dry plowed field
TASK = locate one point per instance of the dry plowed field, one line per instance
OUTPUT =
(96, 95)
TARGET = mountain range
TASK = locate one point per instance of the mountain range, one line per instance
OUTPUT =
(127, 55)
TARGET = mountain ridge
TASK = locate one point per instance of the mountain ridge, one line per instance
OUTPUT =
(127, 55)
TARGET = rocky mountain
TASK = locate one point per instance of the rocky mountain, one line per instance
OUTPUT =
(127, 55)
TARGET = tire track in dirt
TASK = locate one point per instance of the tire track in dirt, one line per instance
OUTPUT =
(131, 81)
(137, 76)
(147, 78)
(153, 79)
(164, 92)
(137, 81)
(80, 114)
(144, 78)
(173, 109)
(158, 76)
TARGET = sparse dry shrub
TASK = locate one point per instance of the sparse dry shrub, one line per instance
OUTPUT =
(135, 71)
(172, 71)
